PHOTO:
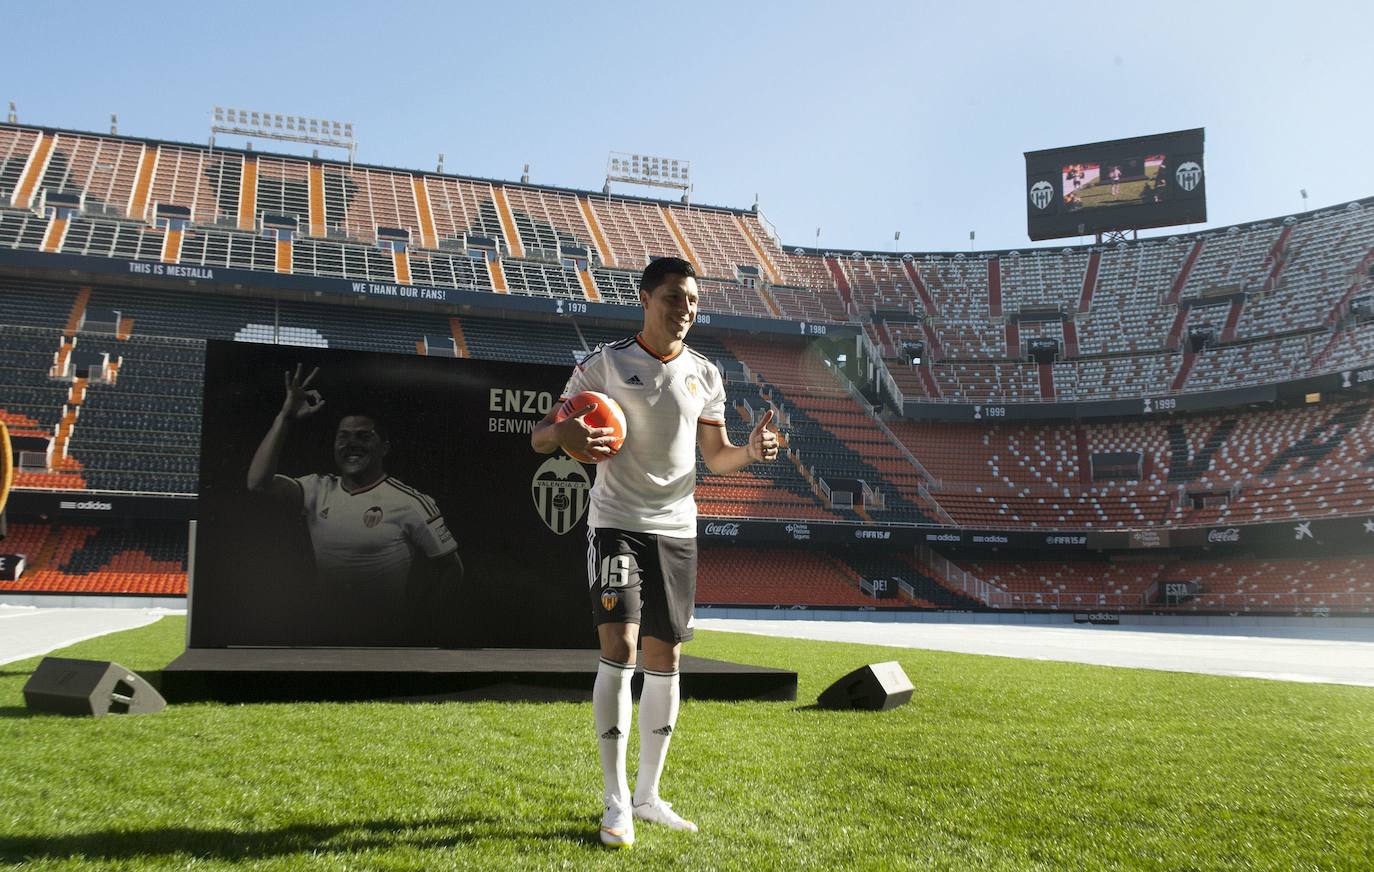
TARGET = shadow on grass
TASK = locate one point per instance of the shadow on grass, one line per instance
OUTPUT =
(15, 711)
(222, 844)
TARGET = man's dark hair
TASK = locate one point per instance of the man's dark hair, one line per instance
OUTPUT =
(378, 424)
(661, 268)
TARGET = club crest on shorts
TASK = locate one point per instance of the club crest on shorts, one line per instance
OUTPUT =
(561, 491)
(610, 598)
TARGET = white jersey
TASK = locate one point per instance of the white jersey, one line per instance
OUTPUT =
(647, 486)
(369, 538)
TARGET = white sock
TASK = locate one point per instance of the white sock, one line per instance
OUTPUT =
(611, 702)
(658, 704)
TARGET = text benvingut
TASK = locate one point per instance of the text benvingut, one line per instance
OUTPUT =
(510, 425)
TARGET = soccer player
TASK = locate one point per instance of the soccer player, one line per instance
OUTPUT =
(1115, 176)
(642, 553)
(378, 542)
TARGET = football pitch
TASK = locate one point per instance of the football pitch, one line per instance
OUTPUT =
(1099, 193)
(996, 764)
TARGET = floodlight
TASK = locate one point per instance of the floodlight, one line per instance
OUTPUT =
(642, 169)
(287, 128)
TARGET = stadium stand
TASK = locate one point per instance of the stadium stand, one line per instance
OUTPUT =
(1236, 585)
(147, 560)
(108, 374)
(1277, 465)
(739, 576)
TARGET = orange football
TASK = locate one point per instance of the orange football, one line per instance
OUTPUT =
(606, 414)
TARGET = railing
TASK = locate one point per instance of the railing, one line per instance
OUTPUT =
(1070, 601)
(939, 509)
(833, 499)
(863, 402)
(958, 579)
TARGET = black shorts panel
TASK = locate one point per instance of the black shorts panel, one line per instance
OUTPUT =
(645, 579)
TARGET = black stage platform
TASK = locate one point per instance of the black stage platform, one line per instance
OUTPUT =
(427, 675)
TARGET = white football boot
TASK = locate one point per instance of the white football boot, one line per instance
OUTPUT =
(617, 825)
(659, 812)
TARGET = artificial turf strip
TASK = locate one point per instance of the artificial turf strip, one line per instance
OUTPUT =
(996, 764)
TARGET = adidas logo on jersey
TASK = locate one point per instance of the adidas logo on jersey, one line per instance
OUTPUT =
(612, 733)
(634, 380)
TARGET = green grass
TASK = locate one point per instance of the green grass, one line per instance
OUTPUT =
(1099, 192)
(996, 764)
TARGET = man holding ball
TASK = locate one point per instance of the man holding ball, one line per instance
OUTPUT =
(642, 554)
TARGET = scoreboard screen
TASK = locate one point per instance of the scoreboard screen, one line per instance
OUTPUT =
(1124, 184)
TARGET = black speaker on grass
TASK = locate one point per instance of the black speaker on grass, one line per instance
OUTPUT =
(64, 686)
(876, 687)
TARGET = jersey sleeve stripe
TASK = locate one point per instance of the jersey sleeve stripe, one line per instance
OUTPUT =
(712, 421)
(428, 505)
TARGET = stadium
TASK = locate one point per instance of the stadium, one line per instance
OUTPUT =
(1162, 434)
(1086, 428)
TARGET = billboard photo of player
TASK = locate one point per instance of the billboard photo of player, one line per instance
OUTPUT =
(378, 543)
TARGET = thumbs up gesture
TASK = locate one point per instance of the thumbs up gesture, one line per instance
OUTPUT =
(763, 443)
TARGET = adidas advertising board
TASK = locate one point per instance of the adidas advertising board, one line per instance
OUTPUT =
(85, 506)
(459, 471)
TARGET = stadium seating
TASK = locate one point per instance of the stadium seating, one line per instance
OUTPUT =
(157, 388)
(208, 183)
(1279, 294)
(764, 576)
(1300, 463)
(828, 434)
(149, 560)
(16, 144)
(916, 585)
(1082, 584)
(1295, 276)
(102, 169)
(635, 231)
(1235, 585)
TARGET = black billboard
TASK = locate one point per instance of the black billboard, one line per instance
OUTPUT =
(1123, 184)
(461, 536)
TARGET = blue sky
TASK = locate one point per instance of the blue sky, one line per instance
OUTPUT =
(858, 118)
